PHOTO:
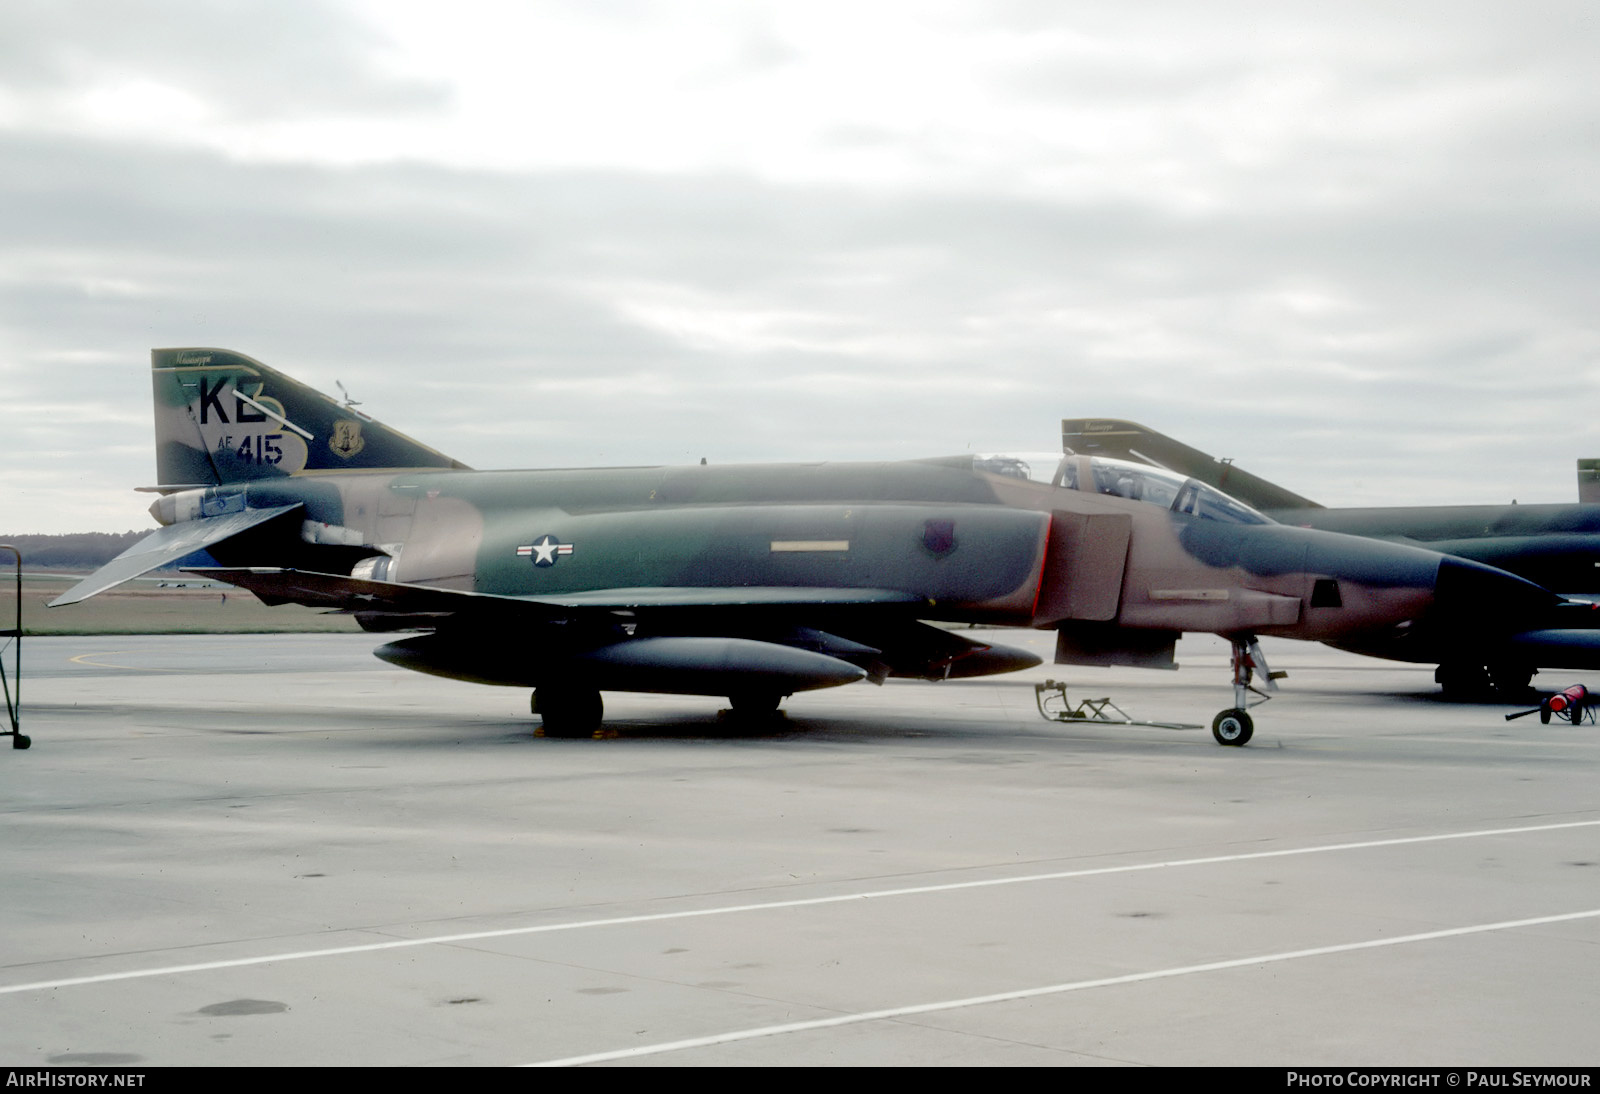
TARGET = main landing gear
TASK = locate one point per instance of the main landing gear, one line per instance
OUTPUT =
(1504, 680)
(572, 710)
(1234, 726)
(753, 710)
(568, 710)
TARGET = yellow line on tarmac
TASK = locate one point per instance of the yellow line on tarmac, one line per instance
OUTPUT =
(84, 659)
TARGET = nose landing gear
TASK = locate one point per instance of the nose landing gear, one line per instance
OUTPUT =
(1234, 726)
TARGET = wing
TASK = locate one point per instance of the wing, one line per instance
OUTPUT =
(708, 641)
(277, 585)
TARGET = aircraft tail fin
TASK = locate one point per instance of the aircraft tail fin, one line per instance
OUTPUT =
(1131, 441)
(1589, 482)
(222, 417)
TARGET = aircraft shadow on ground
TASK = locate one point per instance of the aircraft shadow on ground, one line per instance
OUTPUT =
(1434, 697)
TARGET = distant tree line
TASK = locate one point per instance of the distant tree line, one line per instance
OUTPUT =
(73, 551)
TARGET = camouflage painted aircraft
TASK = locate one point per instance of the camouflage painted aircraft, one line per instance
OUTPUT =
(1557, 546)
(751, 582)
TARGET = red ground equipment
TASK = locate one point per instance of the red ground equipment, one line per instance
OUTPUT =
(1571, 703)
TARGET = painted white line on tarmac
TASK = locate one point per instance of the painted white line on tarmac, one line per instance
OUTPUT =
(1052, 989)
(772, 905)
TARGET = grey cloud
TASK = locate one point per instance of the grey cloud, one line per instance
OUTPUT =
(533, 319)
(249, 59)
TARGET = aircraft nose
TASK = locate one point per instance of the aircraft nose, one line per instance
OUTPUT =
(1473, 591)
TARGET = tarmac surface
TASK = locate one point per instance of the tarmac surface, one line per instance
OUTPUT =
(257, 850)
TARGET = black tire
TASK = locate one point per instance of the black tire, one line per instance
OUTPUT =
(1575, 713)
(1511, 680)
(22, 740)
(1544, 713)
(1462, 681)
(755, 704)
(569, 711)
(1233, 728)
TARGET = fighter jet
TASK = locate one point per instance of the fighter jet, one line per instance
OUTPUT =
(1556, 546)
(754, 582)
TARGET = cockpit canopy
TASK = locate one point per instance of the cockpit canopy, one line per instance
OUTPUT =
(1124, 479)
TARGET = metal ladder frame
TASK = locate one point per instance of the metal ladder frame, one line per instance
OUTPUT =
(19, 739)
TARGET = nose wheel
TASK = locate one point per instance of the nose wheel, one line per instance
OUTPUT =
(1234, 726)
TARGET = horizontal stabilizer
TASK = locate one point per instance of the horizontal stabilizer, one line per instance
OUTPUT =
(167, 545)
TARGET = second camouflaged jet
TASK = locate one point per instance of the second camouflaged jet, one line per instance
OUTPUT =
(1556, 546)
(753, 582)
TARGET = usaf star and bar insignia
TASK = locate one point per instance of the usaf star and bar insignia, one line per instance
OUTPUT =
(544, 551)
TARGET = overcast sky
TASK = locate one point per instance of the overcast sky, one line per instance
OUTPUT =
(1353, 246)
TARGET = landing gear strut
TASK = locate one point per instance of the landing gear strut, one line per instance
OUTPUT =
(1235, 726)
